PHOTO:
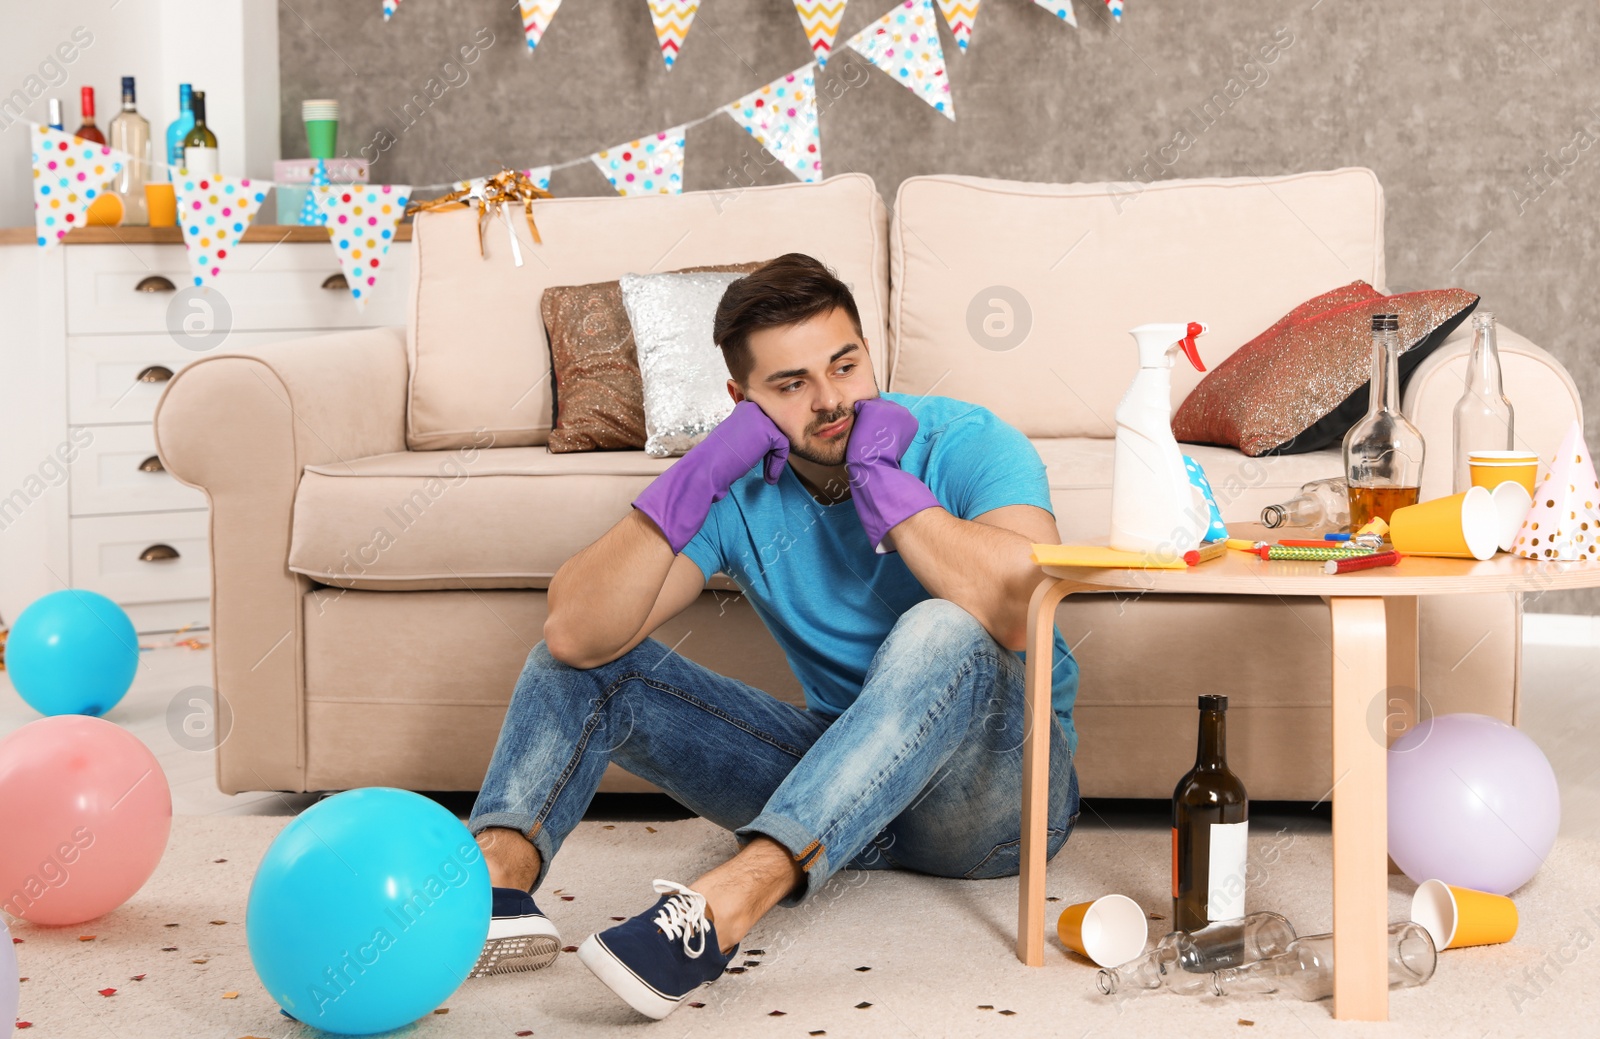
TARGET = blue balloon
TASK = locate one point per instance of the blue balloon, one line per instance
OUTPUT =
(367, 911)
(72, 652)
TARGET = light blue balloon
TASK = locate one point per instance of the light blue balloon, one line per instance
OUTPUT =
(367, 911)
(72, 652)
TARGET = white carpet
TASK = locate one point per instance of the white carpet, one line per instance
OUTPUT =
(940, 952)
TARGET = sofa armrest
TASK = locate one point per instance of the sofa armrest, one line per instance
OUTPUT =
(1544, 400)
(241, 427)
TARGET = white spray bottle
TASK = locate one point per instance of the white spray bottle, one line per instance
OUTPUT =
(1154, 507)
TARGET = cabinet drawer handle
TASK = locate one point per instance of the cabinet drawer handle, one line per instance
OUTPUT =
(155, 283)
(335, 281)
(151, 465)
(158, 552)
(155, 373)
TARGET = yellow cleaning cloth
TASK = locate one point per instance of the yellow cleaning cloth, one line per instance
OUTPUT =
(1100, 555)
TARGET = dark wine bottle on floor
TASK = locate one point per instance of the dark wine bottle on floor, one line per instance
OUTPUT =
(1209, 827)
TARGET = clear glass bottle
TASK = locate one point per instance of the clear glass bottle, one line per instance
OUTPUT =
(1182, 961)
(130, 132)
(1383, 452)
(179, 127)
(55, 114)
(1305, 970)
(1320, 503)
(1483, 415)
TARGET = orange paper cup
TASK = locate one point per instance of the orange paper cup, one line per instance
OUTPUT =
(1111, 930)
(1490, 468)
(1513, 504)
(1464, 526)
(1457, 917)
(163, 204)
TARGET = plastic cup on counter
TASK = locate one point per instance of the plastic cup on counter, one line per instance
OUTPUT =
(1461, 526)
(1490, 468)
(163, 204)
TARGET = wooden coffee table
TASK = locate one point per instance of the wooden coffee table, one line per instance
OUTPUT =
(1374, 622)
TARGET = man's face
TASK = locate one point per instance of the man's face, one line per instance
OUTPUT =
(807, 378)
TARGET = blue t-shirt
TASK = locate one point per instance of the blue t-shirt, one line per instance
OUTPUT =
(814, 579)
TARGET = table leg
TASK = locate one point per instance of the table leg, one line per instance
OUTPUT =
(1360, 812)
(1404, 708)
(1036, 768)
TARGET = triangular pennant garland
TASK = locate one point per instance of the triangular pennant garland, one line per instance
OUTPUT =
(1116, 9)
(672, 18)
(361, 220)
(213, 212)
(649, 166)
(536, 15)
(960, 16)
(905, 44)
(389, 7)
(821, 19)
(1564, 523)
(1062, 9)
(783, 116)
(68, 175)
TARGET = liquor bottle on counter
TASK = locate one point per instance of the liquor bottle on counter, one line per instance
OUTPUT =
(1483, 415)
(1210, 827)
(1383, 452)
(179, 127)
(88, 131)
(130, 132)
(199, 144)
(55, 114)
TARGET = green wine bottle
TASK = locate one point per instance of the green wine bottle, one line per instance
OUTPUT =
(199, 144)
(1210, 827)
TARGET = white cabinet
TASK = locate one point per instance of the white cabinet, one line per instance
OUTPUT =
(84, 500)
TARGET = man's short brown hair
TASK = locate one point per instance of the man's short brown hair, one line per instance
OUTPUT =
(786, 291)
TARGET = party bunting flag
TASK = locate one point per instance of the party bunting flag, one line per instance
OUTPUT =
(649, 166)
(1116, 9)
(1062, 9)
(536, 15)
(820, 19)
(213, 212)
(361, 221)
(905, 44)
(783, 116)
(1564, 522)
(672, 18)
(69, 173)
(389, 8)
(960, 15)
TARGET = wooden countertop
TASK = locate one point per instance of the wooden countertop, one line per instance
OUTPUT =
(172, 236)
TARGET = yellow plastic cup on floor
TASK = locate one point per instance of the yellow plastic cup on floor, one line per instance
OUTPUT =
(1463, 526)
(1111, 930)
(1490, 468)
(1456, 917)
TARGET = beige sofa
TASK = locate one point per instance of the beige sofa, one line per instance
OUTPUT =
(385, 517)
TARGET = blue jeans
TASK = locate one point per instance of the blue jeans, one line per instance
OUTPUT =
(922, 772)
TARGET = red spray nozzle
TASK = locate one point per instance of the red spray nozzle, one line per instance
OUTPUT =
(1189, 349)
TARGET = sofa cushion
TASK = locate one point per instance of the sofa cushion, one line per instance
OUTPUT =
(508, 517)
(1064, 270)
(476, 344)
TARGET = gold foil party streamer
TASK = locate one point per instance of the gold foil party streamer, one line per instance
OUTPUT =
(504, 188)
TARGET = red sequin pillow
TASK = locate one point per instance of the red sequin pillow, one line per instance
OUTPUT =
(1300, 385)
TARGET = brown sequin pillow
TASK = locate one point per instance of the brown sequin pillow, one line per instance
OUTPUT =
(599, 395)
(1300, 385)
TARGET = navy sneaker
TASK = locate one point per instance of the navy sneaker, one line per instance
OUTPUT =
(660, 956)
(520, 937)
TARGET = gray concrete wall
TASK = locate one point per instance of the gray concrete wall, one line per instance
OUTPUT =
(1473, 115)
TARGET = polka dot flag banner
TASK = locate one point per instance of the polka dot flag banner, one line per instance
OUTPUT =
(783, 116)
(536, 15)
(672, 18)
(649, 166)
(213, 212)
(905, 44)
(69, 173)
(820, 19)
(1062, 9)
(361, 223)
(959, 15)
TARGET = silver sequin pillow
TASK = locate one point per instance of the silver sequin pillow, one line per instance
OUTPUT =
(685, 378)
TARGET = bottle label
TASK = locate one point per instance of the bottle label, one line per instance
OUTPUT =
(200, 161)
(1225, 878)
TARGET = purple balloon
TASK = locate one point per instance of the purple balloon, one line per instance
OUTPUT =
(10, 990)
(1472, 802)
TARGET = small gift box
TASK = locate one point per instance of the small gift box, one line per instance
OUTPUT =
(293, 179)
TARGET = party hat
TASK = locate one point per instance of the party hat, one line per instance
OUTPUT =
(1564, 523)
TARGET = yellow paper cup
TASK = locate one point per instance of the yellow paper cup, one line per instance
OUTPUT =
(1490, 468)
(1465, 526)
(1456, 917)
(1511, 501)
(163, 204)
(1111, 930)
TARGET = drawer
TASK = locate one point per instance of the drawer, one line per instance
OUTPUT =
(104, 381)
(117, 471)
(106, 554)
(264, 287)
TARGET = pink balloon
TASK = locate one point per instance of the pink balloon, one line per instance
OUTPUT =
(84, 816)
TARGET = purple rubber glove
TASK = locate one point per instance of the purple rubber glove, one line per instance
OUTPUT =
(884, 494)
(679, 499)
